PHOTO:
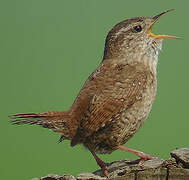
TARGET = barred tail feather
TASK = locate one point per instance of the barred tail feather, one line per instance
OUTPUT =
(56, 121)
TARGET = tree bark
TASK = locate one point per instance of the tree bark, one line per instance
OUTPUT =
(175, 168)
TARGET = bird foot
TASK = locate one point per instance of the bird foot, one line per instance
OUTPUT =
(143, 157)
(103, 166)
(101, 163)
(105, 171)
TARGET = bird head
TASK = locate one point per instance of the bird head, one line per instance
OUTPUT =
(134, 37)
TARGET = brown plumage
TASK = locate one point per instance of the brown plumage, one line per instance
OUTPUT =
(117, 98)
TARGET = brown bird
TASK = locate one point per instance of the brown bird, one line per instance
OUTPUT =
(117, 97)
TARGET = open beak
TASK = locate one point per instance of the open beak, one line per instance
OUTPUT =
(155, 18)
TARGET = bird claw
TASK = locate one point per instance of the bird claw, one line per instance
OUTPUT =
(101, 163)
(105, 171)
(145, 157)
(104, 168)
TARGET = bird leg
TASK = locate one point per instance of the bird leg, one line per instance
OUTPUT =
(101, 163)
(143, 157)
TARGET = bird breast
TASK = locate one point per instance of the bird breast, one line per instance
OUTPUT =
(129, 92)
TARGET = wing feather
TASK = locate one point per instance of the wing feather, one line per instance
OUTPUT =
(109, 90)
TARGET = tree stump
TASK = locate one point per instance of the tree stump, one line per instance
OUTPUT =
(175, 168)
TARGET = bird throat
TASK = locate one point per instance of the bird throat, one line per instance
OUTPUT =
(145, 51)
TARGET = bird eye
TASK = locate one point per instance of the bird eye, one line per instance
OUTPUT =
(137, 28)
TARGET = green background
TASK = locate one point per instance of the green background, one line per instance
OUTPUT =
(49, 48)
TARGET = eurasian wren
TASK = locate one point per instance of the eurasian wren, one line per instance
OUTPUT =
(117, 97)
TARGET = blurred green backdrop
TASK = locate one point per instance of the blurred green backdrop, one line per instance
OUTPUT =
(49, 48)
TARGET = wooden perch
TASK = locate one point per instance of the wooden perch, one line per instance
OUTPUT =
(175, 168)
